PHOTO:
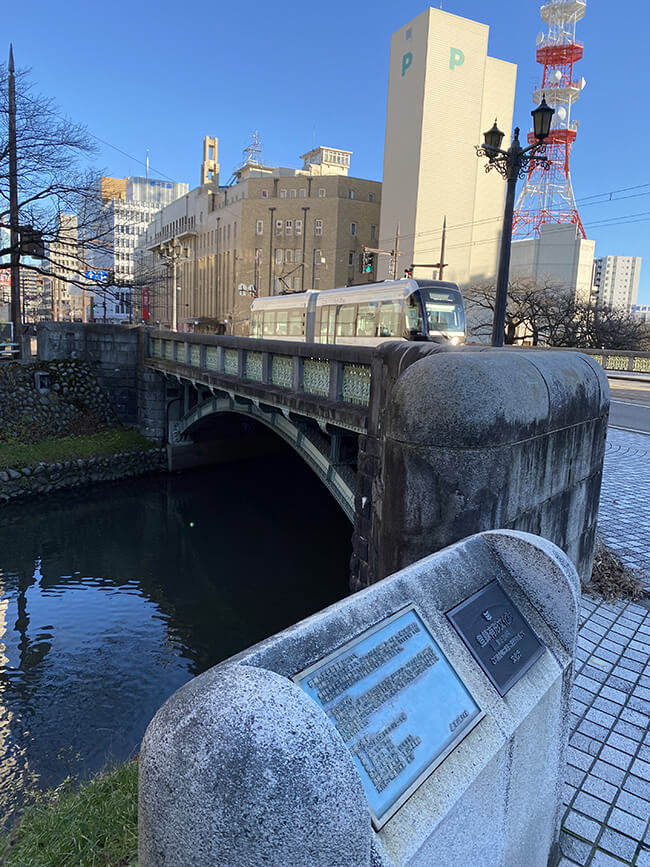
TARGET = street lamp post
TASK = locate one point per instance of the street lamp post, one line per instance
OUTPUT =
(171, 252)
(512, 164)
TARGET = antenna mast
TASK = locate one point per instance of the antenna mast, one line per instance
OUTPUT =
(252, 154)
(547, 196)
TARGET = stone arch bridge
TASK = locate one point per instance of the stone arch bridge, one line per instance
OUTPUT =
(420, 444)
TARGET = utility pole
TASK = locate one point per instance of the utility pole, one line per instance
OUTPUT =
(442, 248)
(13, 210)
(396, 252)
(271, 231)
(304, 246)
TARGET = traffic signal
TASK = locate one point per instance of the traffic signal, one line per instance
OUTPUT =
(368, 262)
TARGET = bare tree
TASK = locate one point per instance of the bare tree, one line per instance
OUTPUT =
(54, 177)
(549, 315)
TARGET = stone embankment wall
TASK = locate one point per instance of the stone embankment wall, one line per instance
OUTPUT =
(43, 478)
(112, 352)
(75, 402)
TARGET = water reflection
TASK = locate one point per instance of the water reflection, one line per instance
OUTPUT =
(112, 597)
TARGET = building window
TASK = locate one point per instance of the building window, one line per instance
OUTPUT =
(288, 256)
(318, 227)
(283, 194)
(321, 193)
(318, 256)
(316, 283)
(353, 229)
(373, 233)
(278, 227)
(292, 194)
(302, 193)
(297, 257)
(350, 194)
(259, 227)
(296, 284)
(371, 197)
(288, 227)
(351, 258)
(278, 256)
(265, 194)
(298, 227)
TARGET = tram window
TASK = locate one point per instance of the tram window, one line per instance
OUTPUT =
(366, 320)
(281, 322)
(326, 317)
(389, 319)
(345, 320)
(295, 323)
(269, 323)
(413, 316)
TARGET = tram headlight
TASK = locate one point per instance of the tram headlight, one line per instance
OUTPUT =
(455, 340)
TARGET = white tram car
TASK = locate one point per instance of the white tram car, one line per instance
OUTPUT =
(366, 315)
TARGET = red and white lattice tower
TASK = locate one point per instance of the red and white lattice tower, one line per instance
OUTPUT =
(547, 195)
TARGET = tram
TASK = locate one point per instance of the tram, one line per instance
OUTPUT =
(366, 315)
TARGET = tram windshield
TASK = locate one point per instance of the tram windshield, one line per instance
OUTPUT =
(444, 310)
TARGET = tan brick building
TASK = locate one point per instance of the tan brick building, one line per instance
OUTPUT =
(275, 229)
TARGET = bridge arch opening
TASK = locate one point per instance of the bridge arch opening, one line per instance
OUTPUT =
(222, 430)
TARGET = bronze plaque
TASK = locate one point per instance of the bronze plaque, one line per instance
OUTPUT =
(497, 635)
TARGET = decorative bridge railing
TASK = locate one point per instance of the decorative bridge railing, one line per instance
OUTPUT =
(331, 382)
(321, 375)
(620, 360)
(614, 360)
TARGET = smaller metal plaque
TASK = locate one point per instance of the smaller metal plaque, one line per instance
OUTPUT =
(397, 703)
(497, 635)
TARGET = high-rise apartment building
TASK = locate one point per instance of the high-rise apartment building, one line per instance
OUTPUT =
(274, 230)
(616, 281)
(443, 93)
(123, 209)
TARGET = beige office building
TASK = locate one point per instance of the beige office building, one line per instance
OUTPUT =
(443, 93)
(560, 258)
(68, 297)
(274, 230)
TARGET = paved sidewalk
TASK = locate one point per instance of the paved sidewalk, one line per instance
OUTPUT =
(607, 790)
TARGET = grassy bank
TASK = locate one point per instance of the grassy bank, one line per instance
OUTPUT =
(58, 449)
(95, 825)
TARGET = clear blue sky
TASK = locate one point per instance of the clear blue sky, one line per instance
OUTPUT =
(161, 76)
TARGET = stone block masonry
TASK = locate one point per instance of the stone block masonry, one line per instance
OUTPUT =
(469, 440)
(111, 351)
(43, 478)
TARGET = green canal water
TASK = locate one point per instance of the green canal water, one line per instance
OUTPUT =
(113, 596)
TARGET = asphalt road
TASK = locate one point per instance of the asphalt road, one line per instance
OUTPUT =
(630, 405)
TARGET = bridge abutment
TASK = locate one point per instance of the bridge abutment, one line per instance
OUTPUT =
(472, 440)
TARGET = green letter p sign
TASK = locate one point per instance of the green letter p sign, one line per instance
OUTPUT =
(407, 60)
(456, 58)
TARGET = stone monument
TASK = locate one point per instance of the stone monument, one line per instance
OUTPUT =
(420, 722)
